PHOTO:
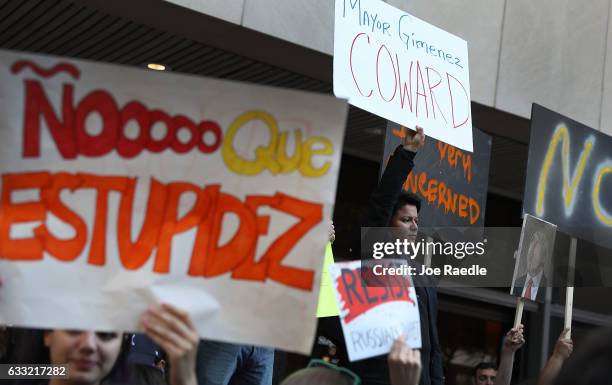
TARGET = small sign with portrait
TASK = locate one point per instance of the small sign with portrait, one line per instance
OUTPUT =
(533, 268)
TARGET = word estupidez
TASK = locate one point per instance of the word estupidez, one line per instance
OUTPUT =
(162, 220)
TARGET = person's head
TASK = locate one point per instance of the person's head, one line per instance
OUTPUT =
(406, 215)
(90, 356)
(485, 373)
(317, 375)
(536, 254)
(590, 363)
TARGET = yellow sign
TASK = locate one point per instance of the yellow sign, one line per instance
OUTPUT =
(327, 296)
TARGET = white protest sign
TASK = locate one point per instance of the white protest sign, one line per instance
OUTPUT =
(372, 317)
(123, 187)
(401, 68)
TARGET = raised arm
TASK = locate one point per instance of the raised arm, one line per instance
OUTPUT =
(514, 341)
(563, 349)
(380, 206)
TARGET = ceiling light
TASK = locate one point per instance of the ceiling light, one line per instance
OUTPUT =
(156, 66)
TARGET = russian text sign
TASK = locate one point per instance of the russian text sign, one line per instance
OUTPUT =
(403, 69)
(123, 187)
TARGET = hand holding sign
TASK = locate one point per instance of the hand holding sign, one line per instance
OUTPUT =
(173, 330)
(413, 141)
(514, 339)
(404, 364)
(564, 345)
(563, 349)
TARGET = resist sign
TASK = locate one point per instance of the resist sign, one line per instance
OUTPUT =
(403, 69)
(122, 187)
(376, 310)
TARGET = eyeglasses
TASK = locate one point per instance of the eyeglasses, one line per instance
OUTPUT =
(354, 378)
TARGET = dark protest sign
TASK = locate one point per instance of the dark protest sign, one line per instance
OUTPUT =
(451, 183)
(569, 176)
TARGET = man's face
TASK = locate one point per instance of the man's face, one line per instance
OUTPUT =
(535, 258)
(485, 376)
(406, 219)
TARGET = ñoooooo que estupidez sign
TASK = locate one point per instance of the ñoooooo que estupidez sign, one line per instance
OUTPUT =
(122, 187)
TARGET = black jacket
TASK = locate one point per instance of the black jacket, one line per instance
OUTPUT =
(378, 214)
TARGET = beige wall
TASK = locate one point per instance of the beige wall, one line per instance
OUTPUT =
(553, 52)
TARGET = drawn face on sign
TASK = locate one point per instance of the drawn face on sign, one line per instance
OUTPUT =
(406, 218)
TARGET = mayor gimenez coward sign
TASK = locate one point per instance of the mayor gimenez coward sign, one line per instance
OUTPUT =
(403, 69)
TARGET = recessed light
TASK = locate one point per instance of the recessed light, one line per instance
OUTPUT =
(156, 67)
(374, 130)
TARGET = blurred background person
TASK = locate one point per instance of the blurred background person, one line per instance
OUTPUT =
(485, 373)
(590, 364)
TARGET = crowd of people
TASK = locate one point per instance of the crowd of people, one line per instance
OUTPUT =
(170, 351)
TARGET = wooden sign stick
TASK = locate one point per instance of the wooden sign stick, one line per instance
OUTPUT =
(569, 293)
(518, 316)
(520, 301)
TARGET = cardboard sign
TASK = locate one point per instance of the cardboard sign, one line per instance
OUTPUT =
(451, 183)
(123, 187)
(569, 176)
(401, 68)
(372, 317)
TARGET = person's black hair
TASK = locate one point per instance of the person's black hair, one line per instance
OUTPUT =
(590, 363)
(484, 366)
(407, 198)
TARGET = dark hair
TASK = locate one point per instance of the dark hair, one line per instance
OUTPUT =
(590, 363)
(484, 366)
(406, 198)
